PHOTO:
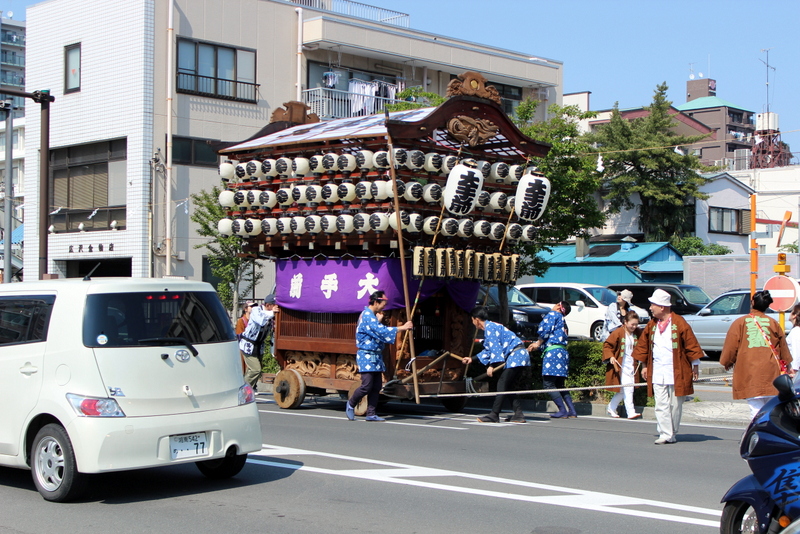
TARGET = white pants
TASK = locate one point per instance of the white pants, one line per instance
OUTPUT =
(624, 393)
(669, 408)
(756, 403)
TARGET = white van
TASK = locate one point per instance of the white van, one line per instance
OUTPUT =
(589, 303)
(118, 373)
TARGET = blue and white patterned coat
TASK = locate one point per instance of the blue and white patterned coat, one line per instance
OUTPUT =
(553, 331)
(501, 345)
(371, 337)
(260, 319)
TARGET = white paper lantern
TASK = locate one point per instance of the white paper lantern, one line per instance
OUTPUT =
(238, 227)
(252, 227)
(252, 198)
(415, 221)
(267, 199)
(330, 193)
(364, 160)
(413, 191)
(515, 173)
(253, 169)
(364, 190)
(499, 172)
(416, 160)
(241, 172)
(269, 227)
(482, 228)
(328, 223)
(429, 225)
(269, 168)
(240, 200)
(464, 184)
(299, 194)
(361, 222)
(514, 232)
(329, 162)
(483, 200)
(284, 197)
(284, 166)
(484, 167)
(497, 232)
(449, 227)
(380, 190)
(533, 193)
(448, 162)
(346, 192)
(285, 225)
(379, 222)
(298, 225)
(465, 228)
(225, 227)
(346, 163)
(315, 162)
(401, 189)
(497, 201)
(226, 198)
(510, 204)
(313, 224)
(301, 166)
(433, 163)
(381, 160)
(227, 171)
(344, 223)
(313, 195)
(404, 220)
(528, 233)
(432, 193)
(400, 157)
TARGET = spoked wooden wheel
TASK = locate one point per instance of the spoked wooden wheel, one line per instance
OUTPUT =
(289, 389)
(454, 404)
(361, 407)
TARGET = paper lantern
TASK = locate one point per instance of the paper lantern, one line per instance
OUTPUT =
(429, 225)
(238, 227)
(497, 232)
(380, 190)
(364, 160)
(328, 223)
(225, 227)
(284, 166)
(381, 160)
(344, 223)
(364, 190)
(401, 189)
(400, 157)
(241, 172)
(346, 192)
(464, 184)
(416, 160)
(346, 163)
(433, 163)
(313, 224)
(284, 197)
(253, 169)
(269, 227)
(252, 227)
(484, 167)
(465, 228)
(528, 233)
(515, 173)
(329, 162)
(361, 222)
(330, 193)
(285, 225)
(510, 204)
(299, 194)
(415, 221)
(226, 198)
(483, 200)
(252, 198)
(240, 200)
(514, 231)
(298, 225)
(301, 166)
(533, 192)
(482, 228)
(432, 193)
(413, 191)
(313, 195)
(404, 220)
(315, 162)
(267, 199)
(449, 227)
(378, 222)
(448, 162)
(497, 201)
(227, 171)
(268, 168)
(499, 172)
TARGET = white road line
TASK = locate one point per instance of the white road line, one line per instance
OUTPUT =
(342, 418)
(397, 473)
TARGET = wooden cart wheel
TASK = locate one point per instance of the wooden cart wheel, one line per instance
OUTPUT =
(361, 407)
(289, 389)
(454, 404)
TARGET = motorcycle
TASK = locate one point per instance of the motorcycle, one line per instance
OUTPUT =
(768, 501)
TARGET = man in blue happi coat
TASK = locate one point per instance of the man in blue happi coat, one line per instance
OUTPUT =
(371, 338)
(501, 345)
(555, 358)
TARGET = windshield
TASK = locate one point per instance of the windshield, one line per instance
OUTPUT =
(123, 319)
(602, 294)
(695, 295)
(515, 297)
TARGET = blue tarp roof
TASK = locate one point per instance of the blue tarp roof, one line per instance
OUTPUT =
(17, 236)
(638, 253)
(662, 266)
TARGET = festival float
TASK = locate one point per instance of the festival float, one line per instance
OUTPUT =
(423, 204)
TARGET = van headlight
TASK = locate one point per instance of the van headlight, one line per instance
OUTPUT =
(246, 394)
(94, 406)
(519, 317)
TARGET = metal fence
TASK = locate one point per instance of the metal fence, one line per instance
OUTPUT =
(335, 104)
(357, 9)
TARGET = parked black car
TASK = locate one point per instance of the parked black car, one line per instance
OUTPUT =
(685, 298)
(524, 314)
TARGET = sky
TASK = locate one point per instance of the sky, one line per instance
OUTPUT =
(621, 49)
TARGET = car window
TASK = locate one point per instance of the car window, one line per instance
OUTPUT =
(727, 304)
(25, 319)
(572, 296)
(515, 296)
(123, 319)
(695, 295)
(603, 295)
(549, 295)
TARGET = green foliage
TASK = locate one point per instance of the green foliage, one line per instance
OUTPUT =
(640, 159)
(789, 248)
(694, 246)
(415, 97)
(572, 209)
(238, 274)
(268, 363)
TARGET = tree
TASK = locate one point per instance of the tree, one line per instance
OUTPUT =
(415, 97)
(790, 248)
(238, 274)
(572, 209)
(694, 246)
(642, 157)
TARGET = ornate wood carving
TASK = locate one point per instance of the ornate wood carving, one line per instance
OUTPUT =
(294, 112)
(472, 131)
(473, 84)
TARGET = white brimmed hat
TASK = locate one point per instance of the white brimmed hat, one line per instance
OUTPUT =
(660, 298)
(626, 295)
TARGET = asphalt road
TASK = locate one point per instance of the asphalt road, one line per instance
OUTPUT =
(421, 471)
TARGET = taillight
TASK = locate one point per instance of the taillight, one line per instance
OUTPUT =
(246, 394)
(95, 406)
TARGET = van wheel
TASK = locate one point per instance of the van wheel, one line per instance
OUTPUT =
(55, 472)
(222, 468)
(597, 331)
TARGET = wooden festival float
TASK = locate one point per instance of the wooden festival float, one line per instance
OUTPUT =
(421, 204)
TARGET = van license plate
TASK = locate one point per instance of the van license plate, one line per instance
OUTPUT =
(188, 445)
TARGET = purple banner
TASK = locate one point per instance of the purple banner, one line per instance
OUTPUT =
(344, 286)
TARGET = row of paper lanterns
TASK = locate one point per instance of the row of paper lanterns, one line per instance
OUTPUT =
(375, 222)
(363, 161)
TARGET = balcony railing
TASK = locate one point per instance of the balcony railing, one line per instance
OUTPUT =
(17, 61)
(357, 9)
(11, 39)
(12, 80)
(334, 104)
(217, 87)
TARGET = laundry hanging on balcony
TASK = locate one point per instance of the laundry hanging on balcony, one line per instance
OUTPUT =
(363, 93)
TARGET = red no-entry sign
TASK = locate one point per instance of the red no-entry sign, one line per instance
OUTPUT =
(784, 291)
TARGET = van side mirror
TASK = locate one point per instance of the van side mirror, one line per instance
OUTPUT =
(580, 304)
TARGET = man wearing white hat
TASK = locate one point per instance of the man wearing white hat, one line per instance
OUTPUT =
(670, 352)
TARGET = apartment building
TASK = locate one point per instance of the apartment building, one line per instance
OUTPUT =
(122, 81)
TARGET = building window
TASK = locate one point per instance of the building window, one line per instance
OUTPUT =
(88, 187)
(217, 71)
(72, 68)
(189, 151)
(724, 221)
(510, 97)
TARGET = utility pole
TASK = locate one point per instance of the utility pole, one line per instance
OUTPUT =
(8, 107)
